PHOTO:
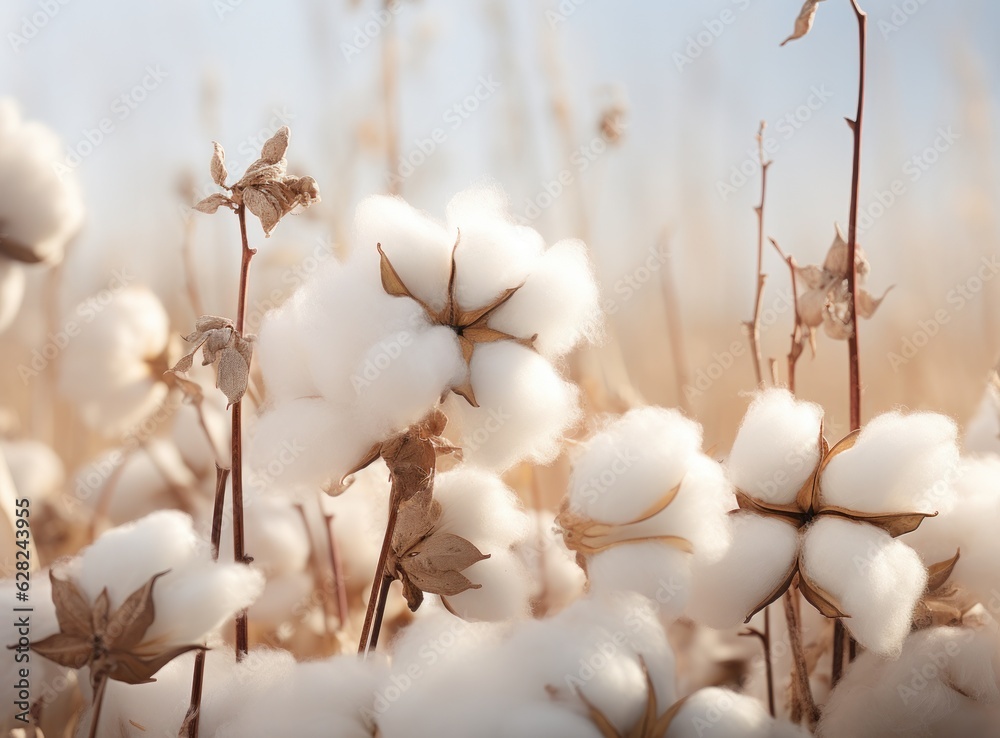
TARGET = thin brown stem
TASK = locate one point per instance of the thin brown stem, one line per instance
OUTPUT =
(337, 569)
(192, 719)
(313, 564)
(375, 600)
(753, 327)
(797, 330)
(802, 697)
(221, 475)
(765, 642)
(239, 546)
(383, 595)
(837, 669)
(95, 718)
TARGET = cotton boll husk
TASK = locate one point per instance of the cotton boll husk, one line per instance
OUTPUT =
(158, 707)
(657, 571)
(557, 579)
(317, 699)
(398, 380)
(105, 369)
(418, 247)
(629, 466)
(39, 206)
(280, 352)
(900, 463)
(969, 527)
(559, 301)
(36, 470)
(12, 286)
(776, 448)
(944, 684)
(982, 432)
(322, 441)
(875, 578)
(494, 253)
(524, 408)
(479, 507)
(722, 713)
(759, 558)
(505, 592)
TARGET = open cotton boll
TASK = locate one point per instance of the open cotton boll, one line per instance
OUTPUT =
(12, 286)
(776, 448)
(557, 579)
(280, 352)
(418, 247)
(900, 463)
(479, 507)
(982, 432)
(970, 527)
(494, 253)
(875, 578)
(761, 554)
(108, 368)
(624, 470)
(944, 684)
(36, 470)
(40, 204)
(721, 713)
(559, 301)
(505, 590)
(524, 408)
(661, 573)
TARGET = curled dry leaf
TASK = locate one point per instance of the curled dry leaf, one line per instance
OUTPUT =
(223, 345)
(212, 203)
(470, 325)
(217, 167)
(804, 22)
(110, 643)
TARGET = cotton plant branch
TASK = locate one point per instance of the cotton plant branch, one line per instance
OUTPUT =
(765, 642)
(753, 325)
(798, 332)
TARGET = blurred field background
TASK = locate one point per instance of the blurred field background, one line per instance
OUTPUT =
(626, 124)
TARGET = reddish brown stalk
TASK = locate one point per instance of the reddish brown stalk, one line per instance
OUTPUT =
(765, 642)
(337, 570)
(753, 327)
(239, 547)
(796, 348)
(376, 600)
(221, 475)
(837, 669)
(313, 564)
(802, 698)
(95, 719)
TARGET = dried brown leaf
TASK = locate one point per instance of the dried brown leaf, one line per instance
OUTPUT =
(212, 203)
(233, 373)
(73, 612)
(129, 623)
(66, 650)
(19, 251)
(218, 165)
(274, 148)
(939, 573)
(867, 305)
(262, 205)
(804, 22)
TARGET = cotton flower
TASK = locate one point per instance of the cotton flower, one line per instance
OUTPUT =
(831, 531)
(112, 370)
(643, 503)
(479, 307)
(40, 205)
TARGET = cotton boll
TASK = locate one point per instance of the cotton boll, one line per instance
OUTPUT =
(36, 470)
(900, 463)
(944, 684)
(12, 285)
(524, 408)
(41, 209)
(759, 558)
(494, 254)
(776, 448)
(479, 507)
(559, 301)
(280, 540)
(541, 720)
(875, 578)
(722, 713)
(659, 572)
(306, 442)
(107, 369)
(982, 432)
(280, 351)
(557, 579)
(158, 707)
(418, 247)
(505, 590)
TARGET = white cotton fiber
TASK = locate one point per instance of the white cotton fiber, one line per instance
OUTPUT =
(900, 463)
(559, 301)
(280, 352)
(659, 572)
(505, 590)
(944, 684)
(721, 713)
(524, 408)
(12, 285)
(970, 527)
(759, 558)
(876, 579)
(982, 432)
(544, 720)
(557, 579)
(479, 507)
(275, 526)
(624, 470)
(776, 448)
(36, 470)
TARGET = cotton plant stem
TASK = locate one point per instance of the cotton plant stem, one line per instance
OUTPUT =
(837, 670)
(376, 600)
(337, 570)
(95, 718)
(765, 642)
(753, 327)
(797, 330)
(383, 595)
(803, 703)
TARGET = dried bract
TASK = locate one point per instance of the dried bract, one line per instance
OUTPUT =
(220, 343)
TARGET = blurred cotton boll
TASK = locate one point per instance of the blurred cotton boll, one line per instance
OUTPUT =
(112, 370)
(722, 713)
(12, 285)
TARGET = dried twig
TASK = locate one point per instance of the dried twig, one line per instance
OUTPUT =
(753, 326)
(797, 333)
